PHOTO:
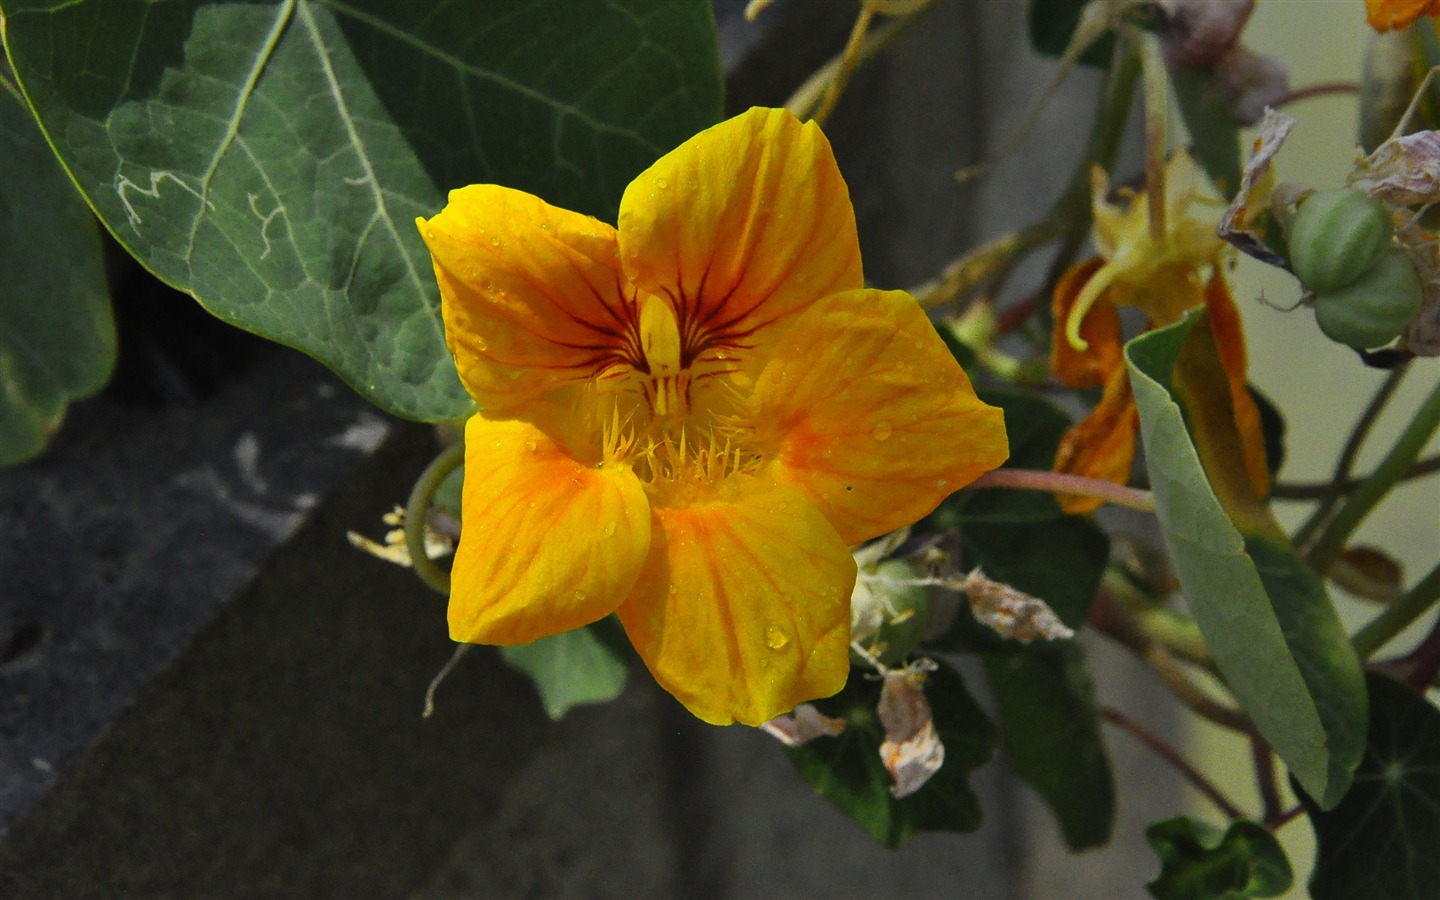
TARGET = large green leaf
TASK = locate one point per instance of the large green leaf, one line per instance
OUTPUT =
(847, 769)
(587, 665)
(1266, 618)
(1201, 862)
(270, 158)
(57, 337)
(1381, 841)
(1051, 732)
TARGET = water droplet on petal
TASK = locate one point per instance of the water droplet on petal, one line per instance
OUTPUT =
(674, 589)
(608, 529)
(530, 445)
(942, 482)
(775, 637)
(881, 431)
(494, 242)
(661, 183)
(579, 594)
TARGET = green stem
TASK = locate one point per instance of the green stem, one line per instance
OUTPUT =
(1374, 488)
(1340, 482)
(417, 510)
(1398, 616)
(1063, 483)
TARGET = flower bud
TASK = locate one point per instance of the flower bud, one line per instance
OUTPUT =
(1336, 237)
(1373, 310)
(889, 611)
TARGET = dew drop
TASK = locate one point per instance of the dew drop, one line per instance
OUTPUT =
(530, 445)
(775, 637)
(674, 589)
(881, 431)
(544, 226)
(661, 183)
(942, 482)
(579, 594)
(494, 242)
(430, 234)
(608, 529)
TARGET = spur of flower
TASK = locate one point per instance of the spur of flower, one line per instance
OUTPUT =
(1165, 263)
(687, 419)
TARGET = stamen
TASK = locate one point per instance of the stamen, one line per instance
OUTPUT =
(1089, 294)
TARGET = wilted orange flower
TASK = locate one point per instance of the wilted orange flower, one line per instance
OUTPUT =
(688, 419)
(1385, 15)
(1165, 272)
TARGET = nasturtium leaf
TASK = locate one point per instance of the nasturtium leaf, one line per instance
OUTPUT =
(587, 665)
(1059, 561)
(1050, 729)
(270, 158)
(1214, 129)
(1273, 631)
(1381, 841)
(847, 769)
(1202, 862)
(57, 336)
(1034, 426)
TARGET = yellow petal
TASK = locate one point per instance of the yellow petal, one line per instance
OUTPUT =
(743, 608)
(530, 293)
(547, 544)
(740, 226)
(866, 412)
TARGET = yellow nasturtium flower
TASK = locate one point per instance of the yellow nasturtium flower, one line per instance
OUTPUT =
(687, 420)
(1165, 275)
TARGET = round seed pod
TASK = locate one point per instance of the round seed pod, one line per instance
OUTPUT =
(1336, 237)
(1373, 310)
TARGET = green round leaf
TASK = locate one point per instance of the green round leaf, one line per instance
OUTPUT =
(1381, 840)
(57, 336)
(271, 158)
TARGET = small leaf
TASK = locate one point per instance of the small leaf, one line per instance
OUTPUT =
(57, 336)
(271, 158)
(1381, 840)
(580, 666)
(1200, 862)
(1274, 633)
(847, 769)
(1051, 732)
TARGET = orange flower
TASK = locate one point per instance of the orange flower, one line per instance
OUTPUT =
(688, 419)
(1385, 15)
(1164, 272)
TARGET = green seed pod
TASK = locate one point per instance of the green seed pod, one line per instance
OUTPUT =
(888, 613)
(1337, 236)
(1374, 310)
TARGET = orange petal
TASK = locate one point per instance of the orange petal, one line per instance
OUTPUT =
(740, 226)
(530, 293)
(868, 414)
(743, 608)
(547, 544)
(1101, 445)
(1385, 15)
(1100, 329)
(1229, 334)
